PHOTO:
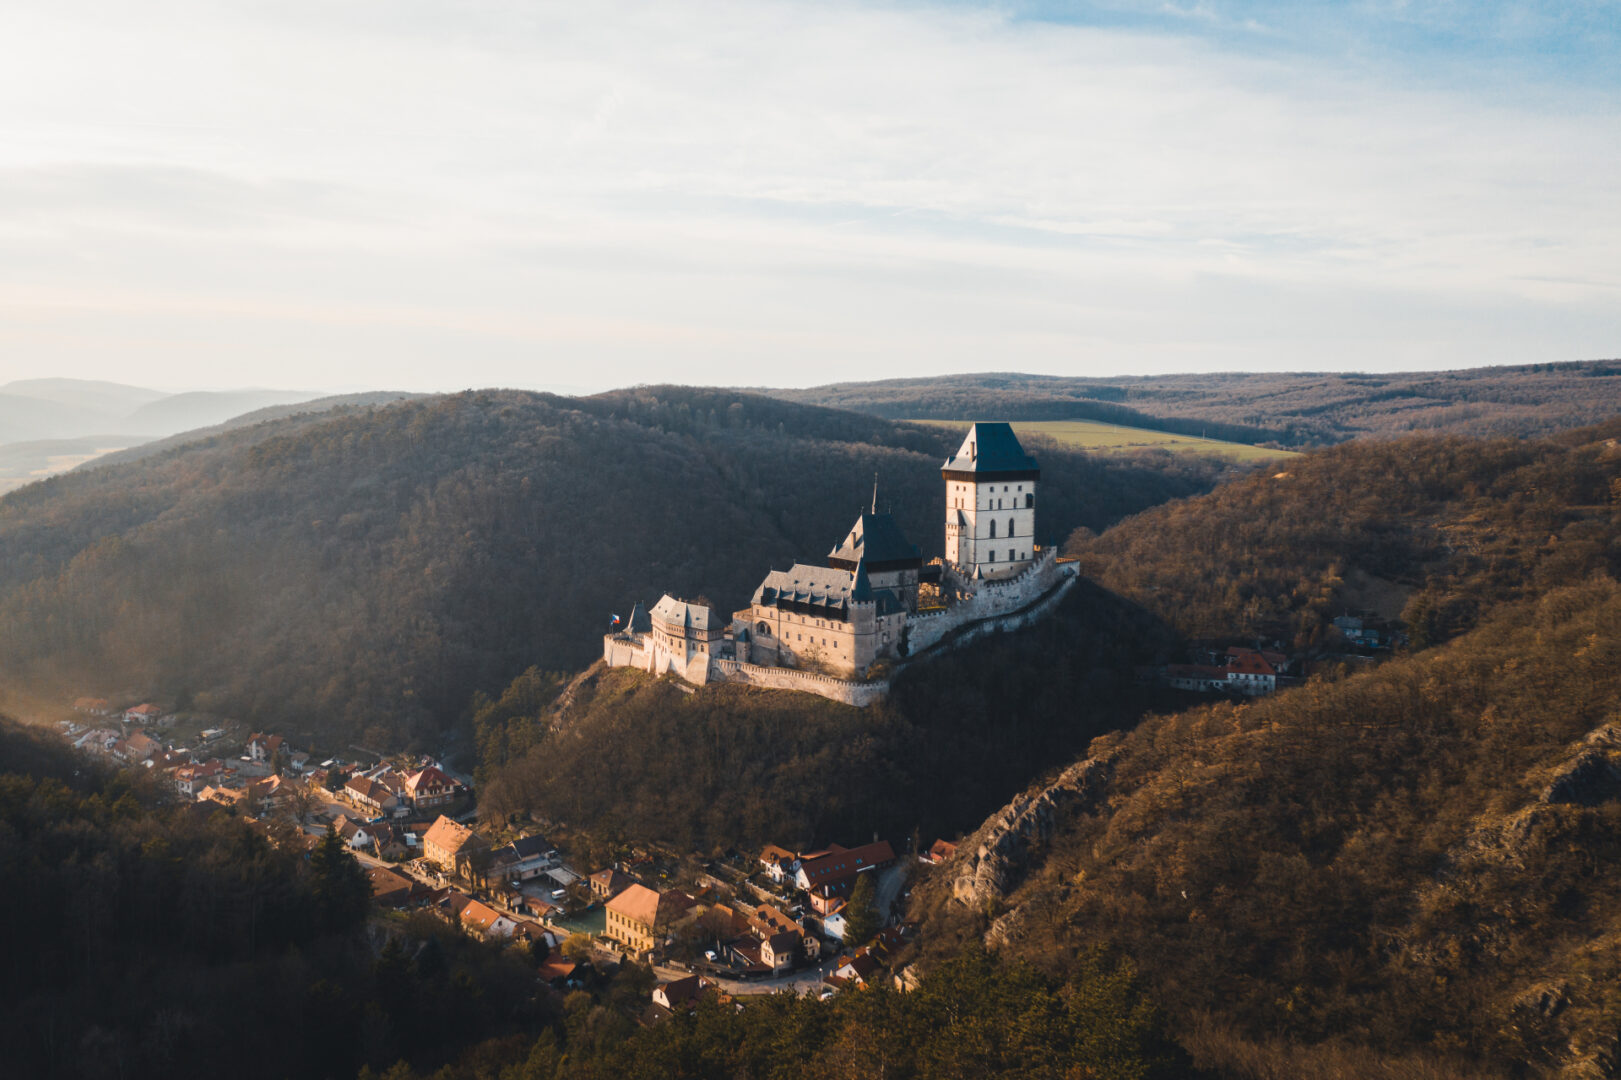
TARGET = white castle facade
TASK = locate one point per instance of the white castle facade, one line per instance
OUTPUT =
(841, 629)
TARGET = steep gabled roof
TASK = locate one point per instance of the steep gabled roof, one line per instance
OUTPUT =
(429, 777)
(877, 540)
(683, 614)
(991, 448)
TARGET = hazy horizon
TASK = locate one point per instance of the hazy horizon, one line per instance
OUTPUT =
(429, 196)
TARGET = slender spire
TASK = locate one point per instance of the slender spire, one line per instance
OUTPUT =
(875, 492)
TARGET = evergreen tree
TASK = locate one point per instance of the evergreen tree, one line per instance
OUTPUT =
(341, 890)
(860, 920)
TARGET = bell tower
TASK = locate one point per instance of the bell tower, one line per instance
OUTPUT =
(990, 503)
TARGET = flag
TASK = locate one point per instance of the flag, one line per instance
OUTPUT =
(615, 622)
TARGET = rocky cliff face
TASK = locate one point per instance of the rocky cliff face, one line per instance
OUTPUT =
(990, 862)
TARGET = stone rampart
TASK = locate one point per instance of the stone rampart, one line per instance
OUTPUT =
(849, 691)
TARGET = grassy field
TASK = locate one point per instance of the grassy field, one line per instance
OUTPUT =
(1091, 435)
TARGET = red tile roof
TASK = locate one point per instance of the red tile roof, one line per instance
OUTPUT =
(840, 864)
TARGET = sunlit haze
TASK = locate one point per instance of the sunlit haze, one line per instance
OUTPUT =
(425, 195)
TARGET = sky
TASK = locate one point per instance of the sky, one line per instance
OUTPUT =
(426, 195)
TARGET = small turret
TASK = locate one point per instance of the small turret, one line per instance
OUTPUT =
(861, 591)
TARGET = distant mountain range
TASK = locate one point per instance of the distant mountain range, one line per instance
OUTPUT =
(1296, 409)
(33, 409)
(51, 425)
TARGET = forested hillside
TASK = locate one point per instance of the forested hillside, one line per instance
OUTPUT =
(1294, 408)
(365, 573)
(1433, 530)
(1405, 871)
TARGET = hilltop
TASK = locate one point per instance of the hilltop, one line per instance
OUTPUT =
(731, 766)
(1291, 408)
(363, 572)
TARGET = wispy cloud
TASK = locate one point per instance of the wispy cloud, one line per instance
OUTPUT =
(431, 194)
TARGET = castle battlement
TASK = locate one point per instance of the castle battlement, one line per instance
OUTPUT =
(828, 629)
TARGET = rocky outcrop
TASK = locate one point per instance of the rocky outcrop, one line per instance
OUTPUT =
(1590, 778)
(989, 862)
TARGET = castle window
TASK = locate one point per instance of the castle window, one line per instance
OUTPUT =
(992, 558)
(1010, 526)
(993, 530)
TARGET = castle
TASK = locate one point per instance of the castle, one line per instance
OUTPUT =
(838, 630)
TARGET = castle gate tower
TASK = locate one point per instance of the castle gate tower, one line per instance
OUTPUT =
(990, 503)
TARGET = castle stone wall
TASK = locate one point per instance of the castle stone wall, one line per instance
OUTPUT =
(850, 692)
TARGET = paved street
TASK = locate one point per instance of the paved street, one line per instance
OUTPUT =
(805, 981)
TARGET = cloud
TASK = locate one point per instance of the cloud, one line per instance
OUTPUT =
(425, 194)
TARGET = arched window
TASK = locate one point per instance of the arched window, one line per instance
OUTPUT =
(993, 530)
(764, 628)
(1010, 526)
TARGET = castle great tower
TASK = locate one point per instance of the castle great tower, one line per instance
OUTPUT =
(990, 503)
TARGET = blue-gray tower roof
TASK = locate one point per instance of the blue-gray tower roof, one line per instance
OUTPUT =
(991, 448)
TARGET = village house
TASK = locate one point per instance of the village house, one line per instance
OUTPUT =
(828, 876)
(939, 852)
(767, 921)
(609, 883)
(92, 706)
(388, 841)
(269, 794)
(777, 951)
(391, 889)
(779, 863)
(231, 798)
(641, 919)
(428, 787)
(97, 741)
(354, 833)
(371, 794)
(262, 747)
(143, 714)
(1254, 671)
(136, 748)
(481, 919)
(522, 859)
(854, 970)
(189, 780)
(454, 848)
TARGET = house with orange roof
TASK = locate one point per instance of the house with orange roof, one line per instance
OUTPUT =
(427, 788)
(481, 919)
(829, 876)
(143, 714)
(641, 919)
(453, 847)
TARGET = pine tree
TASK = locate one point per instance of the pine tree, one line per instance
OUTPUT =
(341, 890)
(860, 920)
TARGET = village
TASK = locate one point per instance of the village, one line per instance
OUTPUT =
(802, 922)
